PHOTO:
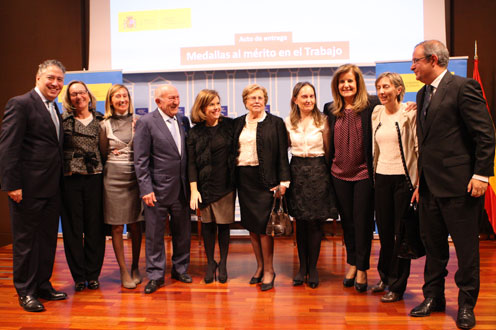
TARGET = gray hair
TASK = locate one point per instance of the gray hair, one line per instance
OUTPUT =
(43, 66)
(436, 47)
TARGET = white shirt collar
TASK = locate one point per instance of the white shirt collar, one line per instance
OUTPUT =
(435, 82)
(43, 98)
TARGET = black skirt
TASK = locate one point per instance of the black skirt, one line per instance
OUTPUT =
(255, 200)
(310, 195)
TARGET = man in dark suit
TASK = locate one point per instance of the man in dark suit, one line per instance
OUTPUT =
(30, 172)
(456, 154)
(160, 163)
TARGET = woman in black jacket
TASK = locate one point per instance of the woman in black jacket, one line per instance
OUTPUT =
(261, 143)
(211, 176)
(351, 168)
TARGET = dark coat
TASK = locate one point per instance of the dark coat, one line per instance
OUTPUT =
(272, 149)
(199, 156)
(365, 116)
(458, 138)
(31, 154)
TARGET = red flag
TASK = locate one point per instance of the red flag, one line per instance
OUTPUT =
(490, 199)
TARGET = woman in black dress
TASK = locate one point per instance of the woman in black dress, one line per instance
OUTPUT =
(261, 142)
(311, 198)
(211, 176)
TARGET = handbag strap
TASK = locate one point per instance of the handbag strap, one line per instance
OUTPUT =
(408, 180)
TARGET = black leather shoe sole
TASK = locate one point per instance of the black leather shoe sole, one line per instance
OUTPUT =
(93, 285)
(153, 286)
(185, 278)
(465, 318)
(79, 286)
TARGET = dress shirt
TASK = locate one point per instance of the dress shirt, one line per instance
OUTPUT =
(169, 126)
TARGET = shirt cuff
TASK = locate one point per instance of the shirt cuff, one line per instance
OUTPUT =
(285, 183)
(481, 178)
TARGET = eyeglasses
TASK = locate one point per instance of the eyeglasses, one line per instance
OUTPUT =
(75, 94)
(256, 98)
(415, 60)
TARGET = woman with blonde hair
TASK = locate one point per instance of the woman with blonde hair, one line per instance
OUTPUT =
(211, 176)
(261, 144)
(393, 126)
(122, 203)
(351, 168)
(82, 223)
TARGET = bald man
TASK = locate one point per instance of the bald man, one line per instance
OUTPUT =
(160, 164)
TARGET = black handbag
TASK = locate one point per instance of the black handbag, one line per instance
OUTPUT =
(279, 223)
(408, 242)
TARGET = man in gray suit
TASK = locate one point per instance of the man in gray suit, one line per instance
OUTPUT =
(160, 163)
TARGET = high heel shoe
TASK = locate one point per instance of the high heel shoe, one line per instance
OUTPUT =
(211, 273)
(299, 279)
(256, 280)
(222, 273)
(268, 286)
(348, 282)
(313, 279)
(361, 287)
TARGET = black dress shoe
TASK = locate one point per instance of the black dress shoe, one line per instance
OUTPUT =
(465, 318)
(153, 285)
(79, 286)
(93, 284)
(349, 282)
(268, 286)
(52, 294)
(361, 287)
(185, 278)
(379, 287)
(31, 304)
(391, 297)
(428, 306)
(313, 285)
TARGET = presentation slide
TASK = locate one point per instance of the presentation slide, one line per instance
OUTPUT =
(157, 35)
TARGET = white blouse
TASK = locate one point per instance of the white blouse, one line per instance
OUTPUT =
(306, 141)
(248, 143)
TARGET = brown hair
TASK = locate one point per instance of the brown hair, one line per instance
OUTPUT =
(203, 99)
(295, 115)
(361, 100)
(66, 100)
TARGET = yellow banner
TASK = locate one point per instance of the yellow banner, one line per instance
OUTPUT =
(98, 90)
(151, 20)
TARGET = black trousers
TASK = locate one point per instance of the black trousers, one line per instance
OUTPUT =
(392, 198)
(356, 208)
(34, 230)
(82, 225)
(457, 217)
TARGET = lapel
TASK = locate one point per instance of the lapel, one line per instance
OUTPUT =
(162, 127)
(420, 128)
(437, 98)
(42, 111)
(61, 127)
(182, 133)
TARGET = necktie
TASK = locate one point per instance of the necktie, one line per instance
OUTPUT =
(175, 133)
(55, 118)
(425, 105)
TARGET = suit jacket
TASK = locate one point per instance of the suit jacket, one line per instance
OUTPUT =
(457, 139)
(365, 117)
(31, 153)
(159, 166)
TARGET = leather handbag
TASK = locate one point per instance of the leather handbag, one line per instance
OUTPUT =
(408, 242)
(279, 223)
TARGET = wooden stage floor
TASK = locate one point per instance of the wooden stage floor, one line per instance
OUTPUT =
(238, 305)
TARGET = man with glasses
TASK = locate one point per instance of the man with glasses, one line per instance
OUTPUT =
(30, 172)
(456, 154)
(160, 164)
